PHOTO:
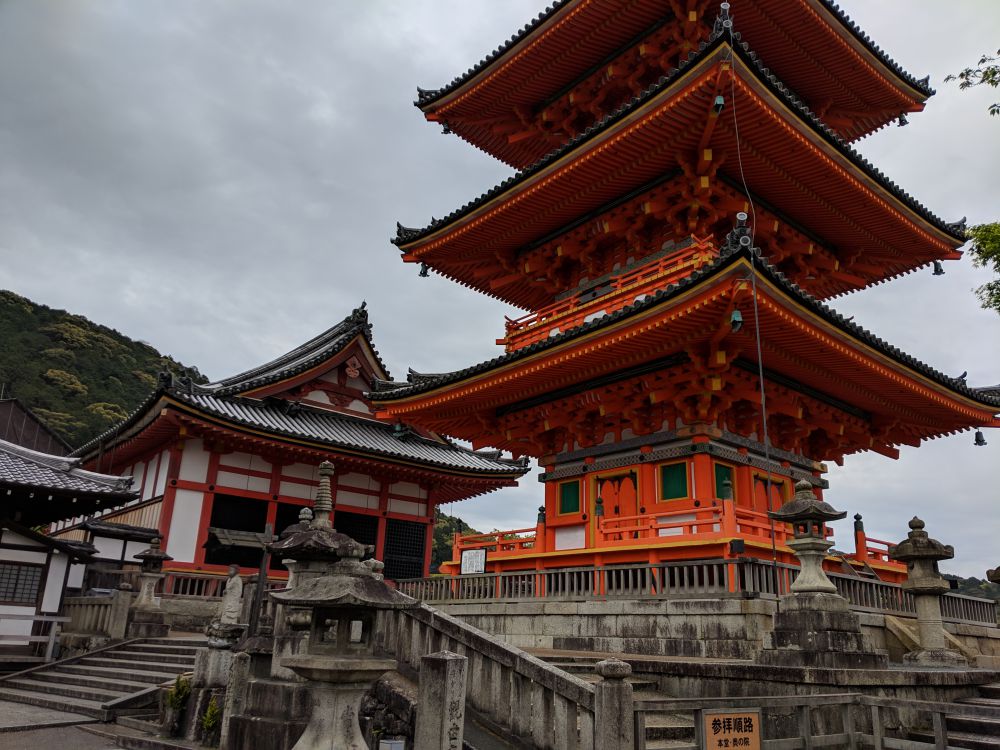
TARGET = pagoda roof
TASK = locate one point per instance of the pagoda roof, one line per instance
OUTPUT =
(548, 54)
(301, 359)
(526, 206)
(988, 396)
(808, 348)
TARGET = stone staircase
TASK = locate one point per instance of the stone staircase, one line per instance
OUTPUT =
(103, 684)
(664, 731)
(977, 734)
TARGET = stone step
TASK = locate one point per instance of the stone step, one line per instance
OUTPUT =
(990, 691)
(157, 656)
(135, 739)
(130, 665)
(969, 740)
(163, 648)
(114, 682)
(993, 702)
(982, 727)
(60, 703)
(663, 726)
(69, 691)
(144, 722)
(132, 675)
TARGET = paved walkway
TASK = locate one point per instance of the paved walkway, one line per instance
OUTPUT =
(18, 717)
(64, 738)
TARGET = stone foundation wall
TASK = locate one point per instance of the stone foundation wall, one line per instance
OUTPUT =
(728, 628)
(189, 615)
(714, 628)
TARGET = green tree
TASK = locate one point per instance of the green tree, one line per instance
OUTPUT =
(985, 238)
(445, 528)
(986, 73)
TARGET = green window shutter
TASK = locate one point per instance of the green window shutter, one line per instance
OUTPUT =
(722, 473)
(569, 497)
(673, 481)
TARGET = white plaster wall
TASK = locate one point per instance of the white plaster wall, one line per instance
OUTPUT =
(107, 548)
(15, 627)
(12, 537)
(161, 479)
(571, 537)
(329, 377)
(239, 460)
(21, 555)
(357, 383)
(134, 548)
(361, 481)
(357, 405)
(408, 489)
(259, 464)
(318, 396)
(300, 471)
(183, 534)
(357, 499)
(138, 471)
(242, 482)
(52, 596)
(149, 484)
(75, 580)
(405, 506)
(293, 489)
(194, 462)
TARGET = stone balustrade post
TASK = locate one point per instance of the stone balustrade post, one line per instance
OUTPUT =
(614, 726)
(441, 702)
(117, 623)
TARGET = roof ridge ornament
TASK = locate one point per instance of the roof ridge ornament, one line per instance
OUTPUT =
(723, 21)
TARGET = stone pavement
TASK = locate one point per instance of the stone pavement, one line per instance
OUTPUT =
(16, 717)
(65, 738)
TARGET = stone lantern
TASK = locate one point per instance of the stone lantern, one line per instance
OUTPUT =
(814, 626)
(808, 517)
(923, 580)
(147, 619)
(342, 596)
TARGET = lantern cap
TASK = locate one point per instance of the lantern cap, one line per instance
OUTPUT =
(804, 506)
(153, 554)
(919, 546)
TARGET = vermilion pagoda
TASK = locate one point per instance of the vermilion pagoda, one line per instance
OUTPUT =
(646, 132)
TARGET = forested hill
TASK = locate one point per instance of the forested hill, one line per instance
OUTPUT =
(78, 376)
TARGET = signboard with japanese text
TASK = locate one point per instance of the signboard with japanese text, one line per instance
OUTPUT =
(473, 561)
(722, 730)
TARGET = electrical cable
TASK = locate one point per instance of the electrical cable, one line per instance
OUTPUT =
(766, 439)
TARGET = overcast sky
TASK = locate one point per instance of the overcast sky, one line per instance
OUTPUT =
(221, 178)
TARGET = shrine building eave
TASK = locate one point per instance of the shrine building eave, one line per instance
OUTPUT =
(310, 356)
(790, 160)
(812, 44)
(315, 429)
(815, 361)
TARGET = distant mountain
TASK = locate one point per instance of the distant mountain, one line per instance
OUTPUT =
(975, 587)
(78, 376)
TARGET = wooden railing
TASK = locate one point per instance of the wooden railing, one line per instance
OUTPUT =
(620, 292)
(518, 694)
(47, 633)
(710, 577)
(88, 614)
(856, 729)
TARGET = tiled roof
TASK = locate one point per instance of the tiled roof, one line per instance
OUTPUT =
(345, 431)
(23, 467)
(298, 360)
(120, 530)
(387, 391)
(405, 235)
(428, 96)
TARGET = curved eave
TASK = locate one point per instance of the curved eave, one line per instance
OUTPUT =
(327, 447)
(853, 342)
(539, 60)
(496, 213)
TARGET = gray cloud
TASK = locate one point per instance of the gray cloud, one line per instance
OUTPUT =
(221, 179)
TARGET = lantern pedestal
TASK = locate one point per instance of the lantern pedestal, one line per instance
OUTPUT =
(337, 685)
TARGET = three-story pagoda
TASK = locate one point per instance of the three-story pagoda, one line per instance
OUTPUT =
(687, 198)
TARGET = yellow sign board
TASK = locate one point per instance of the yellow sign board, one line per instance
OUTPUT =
(723, 730)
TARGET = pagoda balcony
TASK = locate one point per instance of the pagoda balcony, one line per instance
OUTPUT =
(725, 530)
(605, 298)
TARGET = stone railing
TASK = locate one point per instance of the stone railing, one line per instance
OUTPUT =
(694, 578)
(516, 693)
(98, 615)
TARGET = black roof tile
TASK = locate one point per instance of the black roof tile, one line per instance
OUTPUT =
(20, 466)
